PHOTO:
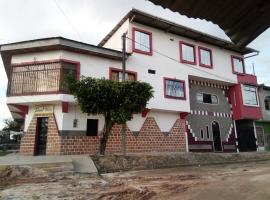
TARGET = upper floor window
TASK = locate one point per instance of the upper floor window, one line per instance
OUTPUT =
(187, 53)
(267, 103)
(174, 88)
(142, 41)
(238, 65)
(206, 98)
(205, 57)
(117, 75)
(250, 95)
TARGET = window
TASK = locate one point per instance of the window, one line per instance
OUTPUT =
(206, 98)
(202, 135)
(238, 65)
(117, 75)
(174, 88)
(267, 103)
(205, 57)
(187, 53)
(92, 127)
(249, 95)
(207, 133)
(142, 41)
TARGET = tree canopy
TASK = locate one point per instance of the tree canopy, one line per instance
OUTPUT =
(116, 101)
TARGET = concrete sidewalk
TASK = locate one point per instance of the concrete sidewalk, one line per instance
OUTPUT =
(81, 163)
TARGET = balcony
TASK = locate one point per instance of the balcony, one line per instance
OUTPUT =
(40, 78)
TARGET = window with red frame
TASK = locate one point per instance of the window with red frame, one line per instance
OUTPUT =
(205, 57)
(142, 41)
(238, 65)
(187, 53)
(174, 88)
(117, 75)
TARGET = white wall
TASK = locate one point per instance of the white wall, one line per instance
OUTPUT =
(222, 69)
(75, 113)
(115, 42)
(165, 120)
(38, 56)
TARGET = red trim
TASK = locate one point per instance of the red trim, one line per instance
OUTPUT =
(22, 114)
(22, 108)
(184, 115)
(78, 65)
(211, 57)
(150, 39)
(113, 69)
(170, 97)
(194, 53)
(145, 112)
(240, 58)
(64, 107)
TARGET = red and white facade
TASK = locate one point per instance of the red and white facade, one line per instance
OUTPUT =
(169, 61)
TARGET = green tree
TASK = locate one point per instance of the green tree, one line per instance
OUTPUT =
(116, 101)
(10, 125)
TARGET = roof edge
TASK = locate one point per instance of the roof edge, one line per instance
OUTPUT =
(133, 12)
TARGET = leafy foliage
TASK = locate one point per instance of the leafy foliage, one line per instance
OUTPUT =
(116, 101)
(119, 99)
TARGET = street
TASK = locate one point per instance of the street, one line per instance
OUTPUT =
(223, 182)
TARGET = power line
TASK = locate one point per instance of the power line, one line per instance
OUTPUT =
(175, 60)
(62, 11)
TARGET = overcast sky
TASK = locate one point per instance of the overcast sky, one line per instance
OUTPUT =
(92, 20)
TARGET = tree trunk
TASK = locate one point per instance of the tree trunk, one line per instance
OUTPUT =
(123, 131)
(105, 135)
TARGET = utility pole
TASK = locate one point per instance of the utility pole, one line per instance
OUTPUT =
(124, 125)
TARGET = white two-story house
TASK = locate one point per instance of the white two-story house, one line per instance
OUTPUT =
(203, 99)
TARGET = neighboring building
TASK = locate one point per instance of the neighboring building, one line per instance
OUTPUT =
(201, 90)
(263, 125)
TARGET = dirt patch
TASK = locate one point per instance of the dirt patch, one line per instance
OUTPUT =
(129, 193)
(13, 175)
(118, 163)
(191, 183)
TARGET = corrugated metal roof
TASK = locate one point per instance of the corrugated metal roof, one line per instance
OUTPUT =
(171, 27)
(242, 20)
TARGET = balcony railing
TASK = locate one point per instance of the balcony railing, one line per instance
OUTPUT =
(40, 78)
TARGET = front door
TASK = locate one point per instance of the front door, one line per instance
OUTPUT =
(42, 130)
(216, 136)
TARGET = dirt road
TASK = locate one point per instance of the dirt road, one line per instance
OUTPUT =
(223, 182)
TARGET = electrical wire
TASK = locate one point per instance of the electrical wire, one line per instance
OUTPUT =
(71, 25)
(175, 60)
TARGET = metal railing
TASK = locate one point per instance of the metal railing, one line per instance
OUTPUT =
(39, 78)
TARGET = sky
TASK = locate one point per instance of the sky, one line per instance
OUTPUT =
(89, 21)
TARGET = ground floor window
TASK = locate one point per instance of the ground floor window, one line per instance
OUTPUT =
(174, 88)
(92, 127)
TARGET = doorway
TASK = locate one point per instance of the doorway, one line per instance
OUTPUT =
(216, 137)
(42, 131)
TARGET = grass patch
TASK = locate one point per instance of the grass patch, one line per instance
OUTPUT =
(3, 153)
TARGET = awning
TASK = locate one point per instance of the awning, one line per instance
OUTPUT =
(241, 20)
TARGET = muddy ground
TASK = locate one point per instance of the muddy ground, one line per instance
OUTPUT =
(223, 182)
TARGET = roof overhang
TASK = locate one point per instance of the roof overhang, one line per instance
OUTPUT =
(242, 20)
(171, 27)
(54, 43)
